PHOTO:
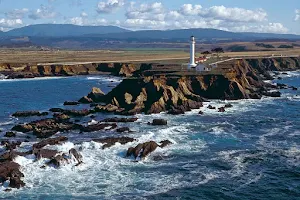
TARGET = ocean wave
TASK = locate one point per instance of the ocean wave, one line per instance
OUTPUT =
(105, 78)
(31, 79)
(6, 123)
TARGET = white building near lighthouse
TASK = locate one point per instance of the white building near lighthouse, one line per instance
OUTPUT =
(199, 65)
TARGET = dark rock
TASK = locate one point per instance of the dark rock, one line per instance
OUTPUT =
(201, 112)
(77, 113)
(142, 150)
(10, 145)
(78, 157)
(44, 153)
(110, 141)
(46, 127)
(228, 105)
(11, 155)
(159, 122)
(121, 120)
(10, 134)
(11, 171)
(50, 141)
(293, 88)
(279, 78)
(85, 100)
(281, 86)
(59, 117)
(255, 96)
(71, 103)
(165, 143)
(24, 128)
(272, 94)
(29, 114)
(211, 107)
(92, 116)
(44, 133)
(222, 109)
(175, 111)
(123, 129)
(58, 110)
(58, 160)
(96, 94)
(98, 127)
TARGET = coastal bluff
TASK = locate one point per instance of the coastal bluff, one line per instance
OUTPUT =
(177, 93)
(20, 70)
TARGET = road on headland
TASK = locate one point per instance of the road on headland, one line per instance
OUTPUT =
(114, 61)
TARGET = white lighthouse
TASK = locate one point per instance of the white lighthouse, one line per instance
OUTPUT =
(192, 53)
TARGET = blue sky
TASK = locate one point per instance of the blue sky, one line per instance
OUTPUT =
(232, 15)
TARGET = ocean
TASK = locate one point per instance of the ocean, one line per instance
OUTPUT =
(252, 151)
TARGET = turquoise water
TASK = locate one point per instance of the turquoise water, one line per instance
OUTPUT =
(252, 151)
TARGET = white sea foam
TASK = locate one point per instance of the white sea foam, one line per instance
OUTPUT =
(6, 123)
(105, 78)
(31, 79)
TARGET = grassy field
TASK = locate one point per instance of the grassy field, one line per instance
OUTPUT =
(169, 56)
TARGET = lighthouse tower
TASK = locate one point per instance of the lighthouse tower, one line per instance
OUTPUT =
(192, 53)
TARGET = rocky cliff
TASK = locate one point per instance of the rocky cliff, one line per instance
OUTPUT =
(176, 93)
(33, 70)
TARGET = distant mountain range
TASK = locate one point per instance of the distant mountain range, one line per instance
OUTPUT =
(62, 30)
(72, 36)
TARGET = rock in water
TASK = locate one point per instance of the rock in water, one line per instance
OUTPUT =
(211, 107)
(29, 114)
(96, 94)
(159, 122)
(10, 134)
(98, 127)
(58, 160)
(228, 105)
(272, 94)
(110, 141)
(50, 141)
(11, 171)
(78, 157)
(144, 149)
(71, 103)
(123, 129)
(165, 143)
(222, 109)
(121, 120)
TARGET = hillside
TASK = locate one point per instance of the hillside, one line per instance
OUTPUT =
(62, 30)
(66, 36)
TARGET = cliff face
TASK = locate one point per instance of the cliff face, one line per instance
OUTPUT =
(263, 65)
(177, 94)
(29, 71)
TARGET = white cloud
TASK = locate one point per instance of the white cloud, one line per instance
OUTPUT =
(44, 12)
(235, 14)
(78, 21)
(155, 8)
(262, 28)
(17, 13)
(110, 6)
(10, 23)
(297, 17)
(189, 9)
(83, 14)
(156, 16)
(145, 13)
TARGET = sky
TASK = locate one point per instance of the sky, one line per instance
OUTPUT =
(272, 16)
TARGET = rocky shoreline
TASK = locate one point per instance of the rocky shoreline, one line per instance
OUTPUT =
(20, 71)
(145, 92)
